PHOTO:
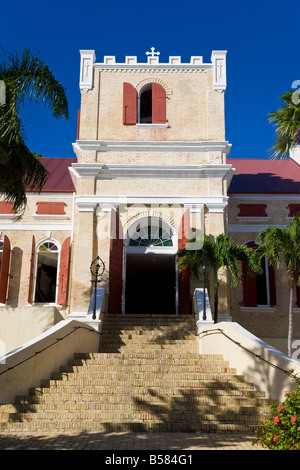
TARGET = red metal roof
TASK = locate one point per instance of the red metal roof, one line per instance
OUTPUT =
(264, 176)
(59, 179)
(251, 175)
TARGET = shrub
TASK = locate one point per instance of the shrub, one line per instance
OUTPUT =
(282, 430)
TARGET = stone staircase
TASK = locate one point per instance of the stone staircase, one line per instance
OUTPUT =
(147, 377)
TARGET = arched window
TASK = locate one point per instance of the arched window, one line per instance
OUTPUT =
(46, 272)
(151, 234)
(151, 107)
(146, 104)
(259, 290)
(49, 271)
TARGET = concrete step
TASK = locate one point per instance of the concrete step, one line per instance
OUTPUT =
(147, 376)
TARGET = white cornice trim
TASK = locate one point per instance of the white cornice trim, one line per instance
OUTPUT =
(50, 216)
(35, 227)
(146, 67)
(109, 171)
(151, 146)
(194, 203)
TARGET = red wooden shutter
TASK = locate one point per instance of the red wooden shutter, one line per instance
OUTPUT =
(272, 286)
(115, 265)
(294, 210)
(129, 104)
(63, 272)
(4, 271)
(249, 285)
(252, 210)
(6, 207)
(31, 275)
(158, 104)
(184, 299)
(51, 208)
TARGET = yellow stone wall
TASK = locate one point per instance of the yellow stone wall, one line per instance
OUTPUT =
(195, 111)
(21, 242)
(269, 323)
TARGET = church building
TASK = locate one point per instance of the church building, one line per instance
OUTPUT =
(151, 168)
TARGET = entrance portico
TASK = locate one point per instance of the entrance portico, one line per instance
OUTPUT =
(150, 271)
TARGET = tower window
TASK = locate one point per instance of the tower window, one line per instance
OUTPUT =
(146, 104)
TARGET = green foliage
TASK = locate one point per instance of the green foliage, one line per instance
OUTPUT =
(25, 77)
(276, 241)
(284, 242)
(287, 122)
(216, 254)
(282, 430)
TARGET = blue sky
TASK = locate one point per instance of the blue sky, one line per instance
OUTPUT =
(261, 37)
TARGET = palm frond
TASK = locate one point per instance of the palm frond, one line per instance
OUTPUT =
(25, 77)
(287, 124)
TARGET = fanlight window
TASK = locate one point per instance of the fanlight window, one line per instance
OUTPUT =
(151, 235)
(48, 246)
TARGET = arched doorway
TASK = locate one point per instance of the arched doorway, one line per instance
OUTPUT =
(150, 283)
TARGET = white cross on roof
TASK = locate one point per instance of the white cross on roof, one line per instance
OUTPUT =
(152, 53)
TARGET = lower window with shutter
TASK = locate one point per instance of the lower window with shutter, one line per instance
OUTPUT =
(259, 290)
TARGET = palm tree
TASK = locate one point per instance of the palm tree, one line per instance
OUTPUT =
(216, 254)
(24, 77)
(287, 122)
(283, 243)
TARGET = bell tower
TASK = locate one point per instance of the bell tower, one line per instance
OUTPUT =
(151, 143)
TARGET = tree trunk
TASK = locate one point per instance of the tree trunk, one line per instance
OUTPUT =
(216, 295)
(290, 332)
(216, 304)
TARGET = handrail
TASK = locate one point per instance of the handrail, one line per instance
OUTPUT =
(49, 345)
(246, 349)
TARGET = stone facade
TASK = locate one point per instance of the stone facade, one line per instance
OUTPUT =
(175, 172)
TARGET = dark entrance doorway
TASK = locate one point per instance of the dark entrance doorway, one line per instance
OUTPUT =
(150, 284)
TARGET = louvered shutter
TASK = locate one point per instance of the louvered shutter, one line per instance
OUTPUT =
(63, 272)
(4, 271)
(115, 265)
(129, 104)
(158, 104)
(31, 275)
(184, 299)
(249, 284)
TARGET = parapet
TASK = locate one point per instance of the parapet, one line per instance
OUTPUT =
(217, 64)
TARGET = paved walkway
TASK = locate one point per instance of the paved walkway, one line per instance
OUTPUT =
(125, 441)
